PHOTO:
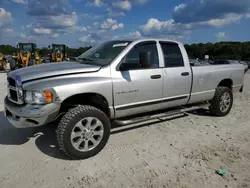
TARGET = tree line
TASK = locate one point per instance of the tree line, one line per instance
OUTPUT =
(220, 50)
(72, 52)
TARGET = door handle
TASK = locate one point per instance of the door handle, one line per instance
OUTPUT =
(185, 73)
(158, 76)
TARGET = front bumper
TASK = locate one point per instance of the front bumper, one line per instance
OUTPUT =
(30, 115)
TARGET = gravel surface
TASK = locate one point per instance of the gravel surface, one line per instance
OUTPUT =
(183, 151)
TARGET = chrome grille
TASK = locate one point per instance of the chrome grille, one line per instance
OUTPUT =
(13, 93)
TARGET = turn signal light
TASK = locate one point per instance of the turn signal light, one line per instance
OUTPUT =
(48, 96)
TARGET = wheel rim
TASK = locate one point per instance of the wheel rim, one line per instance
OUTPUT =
(225, 102)
(87, 134)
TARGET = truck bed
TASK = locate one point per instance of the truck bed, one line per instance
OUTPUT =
(207, 77)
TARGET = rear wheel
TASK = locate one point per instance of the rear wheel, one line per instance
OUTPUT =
(222, 102)
(83, 132)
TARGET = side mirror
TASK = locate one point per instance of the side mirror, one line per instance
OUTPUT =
(145, 59)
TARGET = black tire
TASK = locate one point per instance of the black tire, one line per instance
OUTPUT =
(68, 122)
(13, 64)
(215, 103)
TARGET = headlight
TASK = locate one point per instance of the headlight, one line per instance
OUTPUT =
(38, 97)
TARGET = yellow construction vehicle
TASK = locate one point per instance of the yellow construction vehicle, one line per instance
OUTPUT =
(58, 53)
(26, 55)
(3, 63)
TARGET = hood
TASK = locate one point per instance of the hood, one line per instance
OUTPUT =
(52, 69)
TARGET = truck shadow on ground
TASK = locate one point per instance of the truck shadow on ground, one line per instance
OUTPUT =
(201, 112)
(45, 138)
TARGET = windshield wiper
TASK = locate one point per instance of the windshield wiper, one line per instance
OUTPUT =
(85, 59)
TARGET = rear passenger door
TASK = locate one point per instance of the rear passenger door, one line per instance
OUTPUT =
(177, 76)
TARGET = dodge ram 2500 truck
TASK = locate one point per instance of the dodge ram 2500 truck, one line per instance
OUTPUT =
(120, 81)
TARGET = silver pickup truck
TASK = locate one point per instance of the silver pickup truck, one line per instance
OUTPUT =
(122, 82)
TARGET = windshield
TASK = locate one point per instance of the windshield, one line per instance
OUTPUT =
(58, 48)
(25, 47)
(104, 53)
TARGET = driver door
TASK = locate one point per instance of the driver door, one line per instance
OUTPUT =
(138, 90)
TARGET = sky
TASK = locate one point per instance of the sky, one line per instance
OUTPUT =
(89, 22)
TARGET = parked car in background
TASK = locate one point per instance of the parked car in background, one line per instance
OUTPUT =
(224, 62)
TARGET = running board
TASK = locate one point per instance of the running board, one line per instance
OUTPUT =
(156, 116)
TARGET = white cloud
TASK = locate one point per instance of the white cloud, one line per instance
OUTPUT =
(5, 18)
(48, 7)
(55, 35)
(96, 3)
(136, 34)
(117, 26)
(142, 1)
(220, 35)
(28, 37)
(111, 13)
(87, 39)
(154, 25)
(204, 10)
(20, 1)
(42, 31)
(227, 19)
(179, 7)
(198, 14)
(51, 17)
(81, 29)
(7, 30)
(128, 36)
(62, 21)
(125, 5)
(111, 24)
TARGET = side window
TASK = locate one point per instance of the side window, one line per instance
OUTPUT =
(172, 55)
(132, 59)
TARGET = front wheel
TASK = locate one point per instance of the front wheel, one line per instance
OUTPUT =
(222, 102)
(83, 132)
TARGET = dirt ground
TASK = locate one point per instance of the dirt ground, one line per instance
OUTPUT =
(180, 152)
